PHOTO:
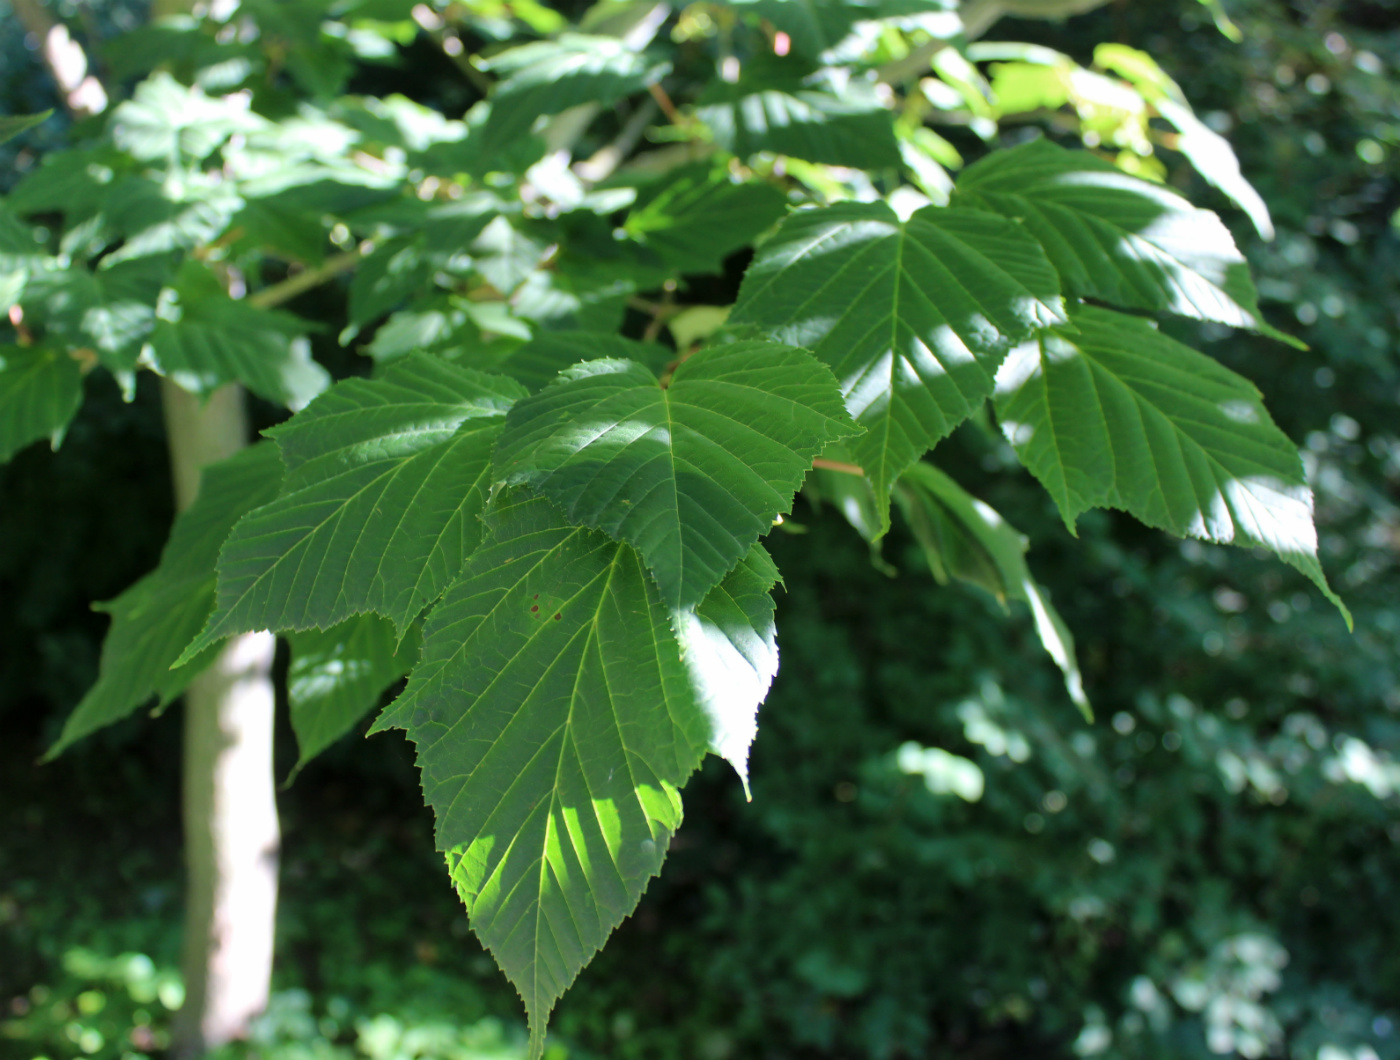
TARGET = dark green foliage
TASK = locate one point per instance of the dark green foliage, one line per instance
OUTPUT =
(940, 860)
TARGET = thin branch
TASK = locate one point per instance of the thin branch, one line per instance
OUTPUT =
(292, 286)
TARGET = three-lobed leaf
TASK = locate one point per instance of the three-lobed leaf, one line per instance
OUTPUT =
(385, 479)
(1110, 413)
(914, 316)
(691, 474)
(554, 726)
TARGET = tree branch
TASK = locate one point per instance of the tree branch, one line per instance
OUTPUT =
(292, 286)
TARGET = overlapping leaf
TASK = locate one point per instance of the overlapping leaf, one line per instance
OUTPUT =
(385, 480)
(1115, 237)
(555, 721)
(155, 618)
(537, 362)
(701, 215)
(208, 339)
(551, 76)
(913, 316)
(853, 128)
(12, 125)
(40, 390)
(110, 311)
(691, 474)
(337, 675)
(1113, 414)
(964, 538)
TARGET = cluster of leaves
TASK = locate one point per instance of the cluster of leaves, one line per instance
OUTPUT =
(552, 530)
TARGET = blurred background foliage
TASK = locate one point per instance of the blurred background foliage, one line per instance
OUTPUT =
(941, 859)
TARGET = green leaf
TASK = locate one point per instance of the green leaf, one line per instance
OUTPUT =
(1110, 413)
(729, 648)
(155, 618)
(166, 122)
(385, 479)
(966, 539)
(853, 128)
(12, 125)
(692, 474)
(40, 391)
(701, 216)
(111, 311)
(547, 77)
(337, 675)
(913, 316)
(388, 277)
(817, 26)
(539, 361)
(554, 724)
(216, 340)
(1115, 237)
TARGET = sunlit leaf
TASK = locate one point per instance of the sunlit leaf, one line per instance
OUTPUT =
(1110, 413)
(914, 317)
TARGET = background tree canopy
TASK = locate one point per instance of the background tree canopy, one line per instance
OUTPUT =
(940, 858)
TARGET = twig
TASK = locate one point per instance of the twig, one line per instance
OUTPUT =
(292, 286)
(664, 102)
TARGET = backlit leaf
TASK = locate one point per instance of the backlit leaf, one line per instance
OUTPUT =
(555, 726)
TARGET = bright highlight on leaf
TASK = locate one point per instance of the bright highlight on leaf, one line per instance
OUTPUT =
(1112, 414)
(555, 725)
(385, 480)
(691, 475)
(1116, 237)
(154, 619)
(913, 316)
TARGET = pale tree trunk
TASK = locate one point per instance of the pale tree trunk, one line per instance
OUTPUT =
(229, 798)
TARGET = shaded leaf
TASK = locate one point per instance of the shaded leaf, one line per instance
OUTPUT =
(385, 479)
(547, 77)
(692, 474)
(14, 124)
(337, 675)
(701, 216)
(155, 618)
(539, 361)
(1112, 414)
(913, 316)
(40, 391)
(966, 539)
(851, 129)
(216, 340)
